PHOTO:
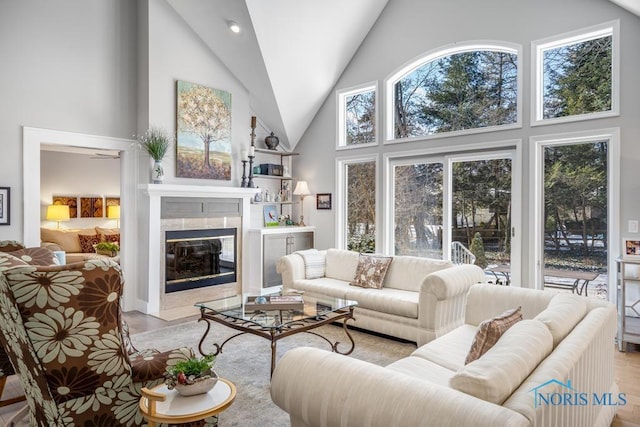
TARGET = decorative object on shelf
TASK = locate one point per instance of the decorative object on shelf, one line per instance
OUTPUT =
(113, 212)
(323, 201)
(57, 213)
(156, 142)
(302, 190)
(252, 152)
(204, 132)
(258, 197)
(272, 141)
(631, 249)
(107, 248)
(192, 376)
(244, 160)
(284, 220)
(71, 201)
(270, 216)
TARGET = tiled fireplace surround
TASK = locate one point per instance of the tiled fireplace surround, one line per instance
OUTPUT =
(178, 304)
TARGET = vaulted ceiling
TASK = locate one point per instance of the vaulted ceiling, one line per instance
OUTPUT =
(289, 53)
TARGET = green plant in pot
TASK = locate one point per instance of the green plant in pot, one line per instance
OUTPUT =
(107, 248)
(192, 376)
(157, 143)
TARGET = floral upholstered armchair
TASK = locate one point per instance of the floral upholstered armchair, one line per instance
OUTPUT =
(62, 329)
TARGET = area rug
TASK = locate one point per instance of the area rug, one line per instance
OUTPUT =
(245, 361)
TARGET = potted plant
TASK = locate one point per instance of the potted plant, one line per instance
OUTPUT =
(107, 248)
(192, 376)
(156, 142)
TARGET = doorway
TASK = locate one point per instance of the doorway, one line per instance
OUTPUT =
(576, 223)
(33, 140)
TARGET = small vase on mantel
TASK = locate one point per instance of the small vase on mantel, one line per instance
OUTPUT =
(157, 172)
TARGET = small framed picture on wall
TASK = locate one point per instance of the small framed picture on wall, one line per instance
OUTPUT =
(631, 249)
(323, 201)
(5, 207)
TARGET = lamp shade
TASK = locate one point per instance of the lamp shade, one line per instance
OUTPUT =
(302, 189)
(113, 212)
(58, 213)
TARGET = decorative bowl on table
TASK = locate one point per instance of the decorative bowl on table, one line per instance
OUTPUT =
(199, 386)
(192, 376)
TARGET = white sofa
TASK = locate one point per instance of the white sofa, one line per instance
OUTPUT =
(568, 342)
(421, 298)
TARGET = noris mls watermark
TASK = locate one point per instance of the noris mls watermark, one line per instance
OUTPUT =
(569, 396)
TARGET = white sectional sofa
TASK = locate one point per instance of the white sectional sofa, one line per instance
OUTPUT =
(421, 298)
(555, 368)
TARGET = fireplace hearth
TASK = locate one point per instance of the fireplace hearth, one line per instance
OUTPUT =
(200, 258)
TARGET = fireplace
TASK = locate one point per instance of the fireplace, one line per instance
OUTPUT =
(200, 258)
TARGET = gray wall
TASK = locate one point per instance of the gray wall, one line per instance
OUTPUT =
(67, 65)
(409, 28)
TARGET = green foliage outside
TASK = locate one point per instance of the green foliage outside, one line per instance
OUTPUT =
(477, 248)
(364, 243)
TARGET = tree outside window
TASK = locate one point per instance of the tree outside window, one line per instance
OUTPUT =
(466, 90)
(357, 116)
(577, 78)
(361, 207)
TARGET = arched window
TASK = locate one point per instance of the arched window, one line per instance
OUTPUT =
(459, 88)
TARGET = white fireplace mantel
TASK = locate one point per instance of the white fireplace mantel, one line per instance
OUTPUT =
(156, 192)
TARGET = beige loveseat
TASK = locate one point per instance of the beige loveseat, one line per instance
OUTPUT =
(420, 299)
(555, 368)
(78, 243)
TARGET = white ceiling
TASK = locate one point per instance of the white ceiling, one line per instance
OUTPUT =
(289, 54)
(631, 5)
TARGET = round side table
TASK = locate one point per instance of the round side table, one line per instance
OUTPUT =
(161, 405)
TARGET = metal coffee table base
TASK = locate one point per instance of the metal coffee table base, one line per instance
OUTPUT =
(278, 332)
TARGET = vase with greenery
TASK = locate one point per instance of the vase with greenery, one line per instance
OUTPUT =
(157, 143)
(192, 376)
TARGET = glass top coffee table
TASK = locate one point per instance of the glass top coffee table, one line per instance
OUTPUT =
(274, 321)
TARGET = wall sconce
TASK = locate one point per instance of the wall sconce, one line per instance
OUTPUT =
(302, 190)
(58, 213)
(113, 212)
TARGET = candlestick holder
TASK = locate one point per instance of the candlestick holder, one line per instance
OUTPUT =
(244, 174)
(250, 183)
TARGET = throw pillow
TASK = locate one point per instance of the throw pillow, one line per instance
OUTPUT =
(112, 238)
(371, 271)
(490, 331)
(314, 262)
(87, 241)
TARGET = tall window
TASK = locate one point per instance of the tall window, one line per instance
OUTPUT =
(457, 89)
(418, 193)
(359, 186)
(576, 74)
(357, 116)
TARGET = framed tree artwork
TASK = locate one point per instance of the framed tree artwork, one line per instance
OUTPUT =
(203, 144)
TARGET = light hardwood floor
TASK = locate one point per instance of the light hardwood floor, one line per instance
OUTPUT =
(627, 371)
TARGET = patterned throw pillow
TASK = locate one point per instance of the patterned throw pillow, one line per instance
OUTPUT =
(371, 271)
(36, 256)
(490, 331)
(87, 241)
(112, 238)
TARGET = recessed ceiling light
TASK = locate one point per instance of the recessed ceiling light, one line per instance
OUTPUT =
(234, 27)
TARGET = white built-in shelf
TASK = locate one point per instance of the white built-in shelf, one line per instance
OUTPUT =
(275, 152)
(283, 178)
(274, 203)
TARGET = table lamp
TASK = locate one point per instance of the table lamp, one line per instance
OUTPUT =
(58, 213)
(302, 190)
(113, 212)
